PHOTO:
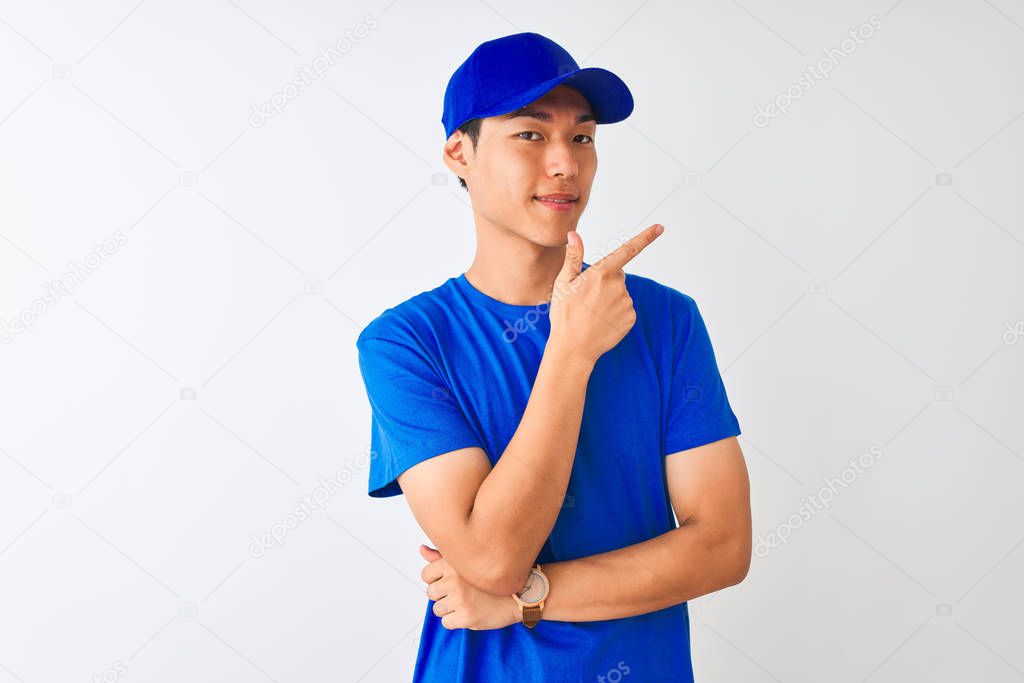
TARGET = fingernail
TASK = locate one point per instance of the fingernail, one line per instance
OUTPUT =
(660, 229)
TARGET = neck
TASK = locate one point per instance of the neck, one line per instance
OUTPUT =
(511, 268)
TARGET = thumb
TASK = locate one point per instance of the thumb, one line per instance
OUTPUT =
(573, 264)
(429, 554)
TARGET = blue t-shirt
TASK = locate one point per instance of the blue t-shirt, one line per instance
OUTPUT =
(453, 367)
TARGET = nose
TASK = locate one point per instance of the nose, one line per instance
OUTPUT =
(561, 159)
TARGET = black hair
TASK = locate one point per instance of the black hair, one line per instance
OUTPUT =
(472, 129)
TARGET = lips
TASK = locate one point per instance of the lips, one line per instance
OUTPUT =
(558, 202)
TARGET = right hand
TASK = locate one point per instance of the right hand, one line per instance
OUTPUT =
(591, 311)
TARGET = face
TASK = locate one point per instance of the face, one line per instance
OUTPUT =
(545, 148)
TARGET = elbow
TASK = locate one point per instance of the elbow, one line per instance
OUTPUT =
(498, 577)
(512, 579)
(740, 573)
(494, 567)
(741, 548)
(510, 584)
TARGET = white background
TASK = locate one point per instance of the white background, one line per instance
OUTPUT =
(203, 375)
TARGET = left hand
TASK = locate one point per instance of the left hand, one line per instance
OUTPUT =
(459, 603)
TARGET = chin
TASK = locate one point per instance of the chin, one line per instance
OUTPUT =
(555, 237)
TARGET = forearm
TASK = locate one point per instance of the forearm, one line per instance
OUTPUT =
(517, 504)
(667, 570)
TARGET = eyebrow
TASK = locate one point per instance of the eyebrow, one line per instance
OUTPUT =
(543, 115)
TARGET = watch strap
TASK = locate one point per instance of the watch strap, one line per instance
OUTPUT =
(531, 615)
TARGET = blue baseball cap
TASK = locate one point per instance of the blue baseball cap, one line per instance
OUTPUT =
(507, 73)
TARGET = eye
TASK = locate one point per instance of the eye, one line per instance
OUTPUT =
(589, 139)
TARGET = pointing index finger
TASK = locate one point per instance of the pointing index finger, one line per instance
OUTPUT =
(631, 248)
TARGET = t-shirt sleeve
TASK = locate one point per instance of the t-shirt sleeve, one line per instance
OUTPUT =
(698, 406)
(414, 416)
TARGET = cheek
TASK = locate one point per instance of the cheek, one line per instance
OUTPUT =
(591, 171)
(502, 172)
(518, 156)
(514, 180)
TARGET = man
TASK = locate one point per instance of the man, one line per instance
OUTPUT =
(545, 417)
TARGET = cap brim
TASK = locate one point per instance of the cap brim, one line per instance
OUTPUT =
(608, 95)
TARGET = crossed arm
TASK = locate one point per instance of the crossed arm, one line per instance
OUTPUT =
(710, 550)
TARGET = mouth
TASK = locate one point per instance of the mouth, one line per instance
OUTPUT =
(558, 201)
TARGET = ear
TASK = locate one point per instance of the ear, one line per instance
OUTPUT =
(454, 153)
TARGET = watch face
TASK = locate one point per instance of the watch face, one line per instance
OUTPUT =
(535, 589)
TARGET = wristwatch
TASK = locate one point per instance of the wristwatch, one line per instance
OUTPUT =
(531, 598)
